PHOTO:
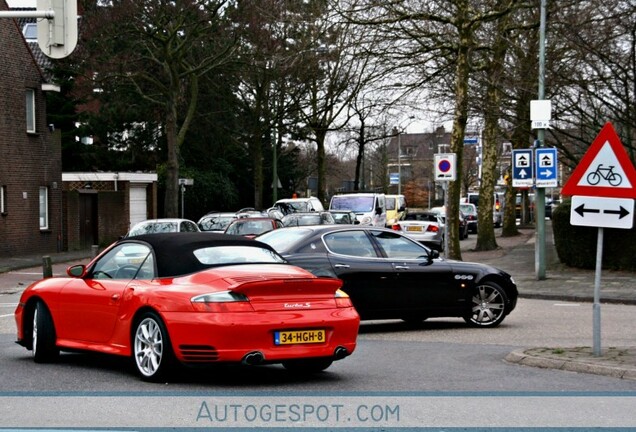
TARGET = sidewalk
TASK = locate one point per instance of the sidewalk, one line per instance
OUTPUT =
(8, 264)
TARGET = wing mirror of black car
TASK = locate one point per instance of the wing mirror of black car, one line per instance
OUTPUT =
(76, 270)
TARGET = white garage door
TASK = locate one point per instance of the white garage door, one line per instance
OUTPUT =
(138, 204)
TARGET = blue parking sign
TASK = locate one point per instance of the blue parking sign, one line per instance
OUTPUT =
(546, 167)
(522, 168)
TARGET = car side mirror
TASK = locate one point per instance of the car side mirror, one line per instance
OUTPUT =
(434, 254)
(76, 271)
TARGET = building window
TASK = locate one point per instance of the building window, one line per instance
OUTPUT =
(44, 208)
(3, 199)
(443, 148)
(30, 110)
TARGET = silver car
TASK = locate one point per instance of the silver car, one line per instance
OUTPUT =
(424, 227)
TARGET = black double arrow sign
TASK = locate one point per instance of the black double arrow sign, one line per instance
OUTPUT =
(581, 210)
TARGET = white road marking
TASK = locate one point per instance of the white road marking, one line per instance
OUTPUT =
(567, 304)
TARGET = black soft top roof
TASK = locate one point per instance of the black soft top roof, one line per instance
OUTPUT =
(174, 251)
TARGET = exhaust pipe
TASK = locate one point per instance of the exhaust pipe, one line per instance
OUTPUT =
(253, 358)
(340, 353)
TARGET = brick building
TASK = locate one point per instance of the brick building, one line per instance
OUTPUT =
(31, 158)
(101, 207)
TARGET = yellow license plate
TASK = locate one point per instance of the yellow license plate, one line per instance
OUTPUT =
(299, 337)
(414, 228)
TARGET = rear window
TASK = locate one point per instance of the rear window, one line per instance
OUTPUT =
(221, 255)
(282, 239)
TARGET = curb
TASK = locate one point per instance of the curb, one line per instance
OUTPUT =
(524, 358)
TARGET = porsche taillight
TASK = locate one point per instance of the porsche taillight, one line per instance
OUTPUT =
(224, 301)
(343, 300)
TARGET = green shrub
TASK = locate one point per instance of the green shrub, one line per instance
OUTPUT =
(576, 245)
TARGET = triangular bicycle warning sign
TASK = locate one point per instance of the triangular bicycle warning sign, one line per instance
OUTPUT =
(605, 169)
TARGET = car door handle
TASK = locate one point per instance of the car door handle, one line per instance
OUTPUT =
(401, 267)
(345, 266)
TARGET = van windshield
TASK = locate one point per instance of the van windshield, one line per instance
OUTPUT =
(358, 204)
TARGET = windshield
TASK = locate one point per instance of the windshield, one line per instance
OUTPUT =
(358, 204)
(154, 227)
(216, 223)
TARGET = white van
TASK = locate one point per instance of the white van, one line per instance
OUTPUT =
(370, 208)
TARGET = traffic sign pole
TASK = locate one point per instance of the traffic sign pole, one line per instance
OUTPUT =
(603, 188)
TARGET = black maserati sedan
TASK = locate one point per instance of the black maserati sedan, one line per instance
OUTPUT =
(390, 276)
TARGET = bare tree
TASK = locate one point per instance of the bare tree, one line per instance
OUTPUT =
(433, 39)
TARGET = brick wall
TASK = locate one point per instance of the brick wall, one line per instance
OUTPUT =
(27, 160)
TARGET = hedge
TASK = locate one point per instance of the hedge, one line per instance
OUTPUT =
(576, 245)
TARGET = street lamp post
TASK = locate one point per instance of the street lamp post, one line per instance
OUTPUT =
(399, 162)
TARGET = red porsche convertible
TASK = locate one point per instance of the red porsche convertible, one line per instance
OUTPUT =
(190, 298)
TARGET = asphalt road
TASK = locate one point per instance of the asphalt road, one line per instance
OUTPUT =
(439, 374)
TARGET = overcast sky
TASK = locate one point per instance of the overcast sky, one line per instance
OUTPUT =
(21, 3)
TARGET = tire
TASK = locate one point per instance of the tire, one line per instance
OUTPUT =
(308, 366)
(43, 335)
(152, 351)
(489, 305)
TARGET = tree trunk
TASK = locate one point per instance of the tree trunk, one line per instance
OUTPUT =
(171, 200)
(457, 142)
(320, 160)
(486, 234)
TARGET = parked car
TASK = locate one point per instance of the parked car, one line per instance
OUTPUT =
(166, 225)
(250, 227)
(463, 224)
(293, 205)
(425, 227)
(198, 298)
(518, 207)
(346, 217)
(497, 207)
(395, 209)
(308, 218)
(216, 221)
(470, 212)
(391, 276)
